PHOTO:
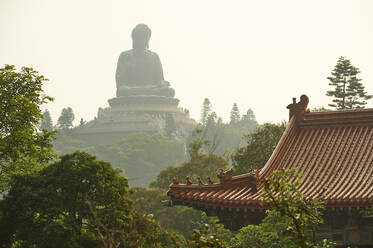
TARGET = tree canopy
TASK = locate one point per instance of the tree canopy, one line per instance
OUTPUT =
(22, 147)
(206, 110)
(348, 92)
(77, 201)
(182, 220)
(259, 148)
(235, 114)
(47, 122)
(200, 164)
(291, 219)
(141, 155)
(223, 137)
(65, 121)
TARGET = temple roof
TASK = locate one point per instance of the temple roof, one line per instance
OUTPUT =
(333, 150)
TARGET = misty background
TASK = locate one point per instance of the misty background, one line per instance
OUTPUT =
(258, 54)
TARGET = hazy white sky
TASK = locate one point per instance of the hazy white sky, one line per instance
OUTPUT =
(258, 54)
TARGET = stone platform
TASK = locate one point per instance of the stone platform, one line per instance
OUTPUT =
(143, 99)
(135, 114)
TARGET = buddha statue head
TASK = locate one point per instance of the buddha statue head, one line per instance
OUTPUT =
(140, 37)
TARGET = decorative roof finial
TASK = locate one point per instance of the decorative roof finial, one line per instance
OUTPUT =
(188, 181)
(176, 181)
(225, 177)
(200, 182)
(298, 109)
(209, 180)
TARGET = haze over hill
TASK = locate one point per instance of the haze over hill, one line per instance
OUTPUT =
(258, 54)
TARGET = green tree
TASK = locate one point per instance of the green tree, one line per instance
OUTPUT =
(348, 92)
(259, 148)
(77, 201)
(291, 219)
(206, 110)
(200, 164)
(65, 121)
(181, 220)
(143, 155)
(47, 122)
(212, 131)
(224, 137)
(299, 215)
(216, 229)
(235, 114)
(23, 148)
(268, 234)
(67, 143)
(203, 238)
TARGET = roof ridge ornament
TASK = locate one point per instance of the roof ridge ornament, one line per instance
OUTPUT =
(209, 180)
(225, 177)
(298, 109)
(175, 181)
(200, 182)
(188, 181)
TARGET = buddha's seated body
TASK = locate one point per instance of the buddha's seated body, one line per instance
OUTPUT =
(139, 71)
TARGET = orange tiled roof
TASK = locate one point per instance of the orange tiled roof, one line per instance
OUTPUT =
(333, 150)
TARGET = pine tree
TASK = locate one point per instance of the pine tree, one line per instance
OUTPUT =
(348, 91)
(65, 121)
(211, 120)
(235, 114)
(46, 123)
(206, 110)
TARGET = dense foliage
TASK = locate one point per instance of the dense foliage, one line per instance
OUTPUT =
(183, 220)
(299, 215)
(200, 164)
(222, 137)
(259, 148)
(202, 238)
(141, 155)
(77, 201)
(291, 219)
(22, 148)
(177, 219)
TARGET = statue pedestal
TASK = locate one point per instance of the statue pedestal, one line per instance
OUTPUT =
(142, 99)
(137, 114)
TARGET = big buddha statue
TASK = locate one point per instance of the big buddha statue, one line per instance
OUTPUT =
(139, 70)
(144, 101)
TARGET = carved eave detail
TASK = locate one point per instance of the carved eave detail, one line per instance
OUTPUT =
(226, 180)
